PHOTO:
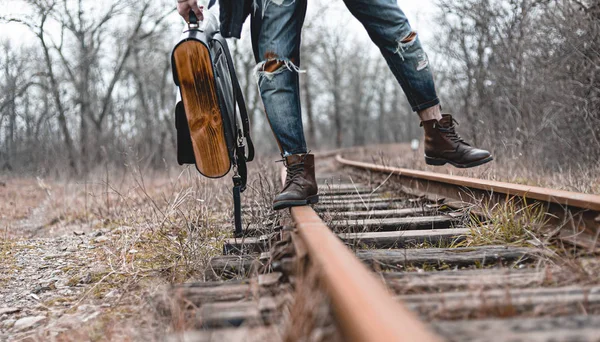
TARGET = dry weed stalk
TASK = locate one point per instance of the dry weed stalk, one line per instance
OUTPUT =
(511, 222)
(309, 317)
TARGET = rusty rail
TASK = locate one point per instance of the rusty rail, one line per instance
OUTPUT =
(363, 308)
(578, 214)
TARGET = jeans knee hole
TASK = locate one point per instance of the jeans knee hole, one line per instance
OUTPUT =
(410, 38)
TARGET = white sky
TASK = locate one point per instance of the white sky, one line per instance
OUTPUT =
(17, 33)
(418, 12)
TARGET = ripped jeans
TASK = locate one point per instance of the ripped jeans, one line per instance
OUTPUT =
(276, 27)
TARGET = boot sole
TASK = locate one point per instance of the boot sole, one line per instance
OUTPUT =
(440, 161)
(296, 203)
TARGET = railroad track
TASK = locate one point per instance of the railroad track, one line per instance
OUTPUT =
(389, 255)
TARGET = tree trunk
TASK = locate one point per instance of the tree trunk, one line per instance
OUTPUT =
(54, 86)
(382, 114)
(337, 110)
(306, 85)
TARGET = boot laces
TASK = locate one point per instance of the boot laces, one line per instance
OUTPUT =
(293, 171)
(293, 174)
(451, 132)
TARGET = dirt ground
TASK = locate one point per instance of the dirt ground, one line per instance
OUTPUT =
(81, 259)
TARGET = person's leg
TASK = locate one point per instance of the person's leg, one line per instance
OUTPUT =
(276, 29)
(389, 29)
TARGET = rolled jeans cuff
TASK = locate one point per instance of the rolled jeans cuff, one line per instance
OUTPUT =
(295, 151)
(426, 105)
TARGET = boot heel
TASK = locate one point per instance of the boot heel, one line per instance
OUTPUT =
(312, 199)
(434, 161)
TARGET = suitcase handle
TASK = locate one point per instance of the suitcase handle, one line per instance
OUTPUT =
(193, 24)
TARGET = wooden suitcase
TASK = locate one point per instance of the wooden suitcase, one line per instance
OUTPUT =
(211, 133)
(201, 70)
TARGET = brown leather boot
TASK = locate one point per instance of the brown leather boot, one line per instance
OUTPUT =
(443, 145)
(300, 184)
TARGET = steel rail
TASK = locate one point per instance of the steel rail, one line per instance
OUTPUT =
(362, 306)
(578, 211)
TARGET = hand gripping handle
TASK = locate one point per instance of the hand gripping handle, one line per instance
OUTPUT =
(193, 20)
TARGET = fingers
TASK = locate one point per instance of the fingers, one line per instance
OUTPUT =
(197, 10)
(183, 8)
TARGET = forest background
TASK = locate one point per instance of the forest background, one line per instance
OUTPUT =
(87, 85)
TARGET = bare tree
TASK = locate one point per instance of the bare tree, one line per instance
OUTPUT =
(520, 69)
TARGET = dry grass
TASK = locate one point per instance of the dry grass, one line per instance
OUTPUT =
(162, 228)
(263, 184)
(7, 255)
(309, 317)
(508, 223)
(18, 198)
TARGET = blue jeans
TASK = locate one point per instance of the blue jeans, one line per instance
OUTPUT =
(276, 28)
